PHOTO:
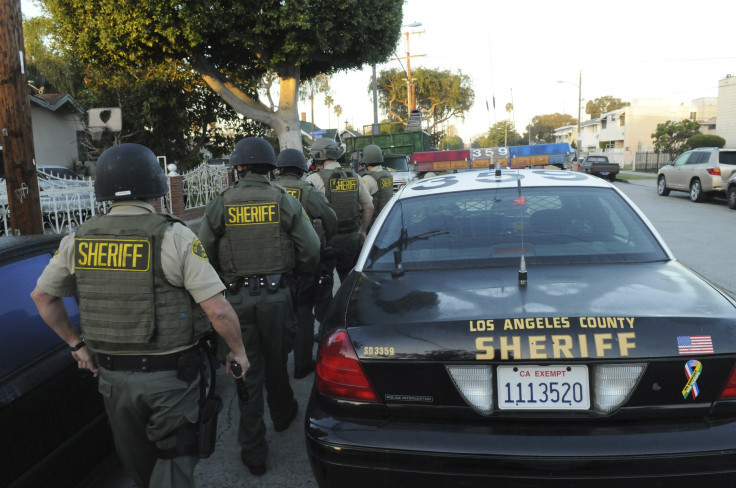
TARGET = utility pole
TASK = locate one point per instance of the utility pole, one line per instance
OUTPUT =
(411, 100)
(16, 131)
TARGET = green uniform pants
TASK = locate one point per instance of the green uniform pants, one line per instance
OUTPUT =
(346, 248)
(145, 410)
(263, 320)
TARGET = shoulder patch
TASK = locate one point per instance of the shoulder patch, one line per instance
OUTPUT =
(198, 249)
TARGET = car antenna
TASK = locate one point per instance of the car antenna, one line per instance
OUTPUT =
(520, 202)
(498, 167)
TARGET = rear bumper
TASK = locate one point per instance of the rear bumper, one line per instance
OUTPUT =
(362, 453)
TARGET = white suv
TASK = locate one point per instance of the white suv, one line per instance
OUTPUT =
(703, 172)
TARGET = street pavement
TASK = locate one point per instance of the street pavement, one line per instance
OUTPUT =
(288, 465)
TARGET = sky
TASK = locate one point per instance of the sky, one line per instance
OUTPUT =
(517, 51)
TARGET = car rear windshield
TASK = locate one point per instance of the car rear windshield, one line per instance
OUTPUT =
(493, 227)
(597, 159)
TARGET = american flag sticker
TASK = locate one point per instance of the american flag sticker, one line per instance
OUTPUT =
(688, 345)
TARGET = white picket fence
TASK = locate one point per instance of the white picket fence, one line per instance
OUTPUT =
(66, 203)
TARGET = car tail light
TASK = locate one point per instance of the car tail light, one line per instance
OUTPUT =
(475, 384)
(339, 374)
(729, 390)
(714, 171)
(614, 383)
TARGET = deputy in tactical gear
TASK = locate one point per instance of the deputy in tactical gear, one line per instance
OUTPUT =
(378, 180)
(348, 196)
(292, 165)
(257, 236)
(145, 286)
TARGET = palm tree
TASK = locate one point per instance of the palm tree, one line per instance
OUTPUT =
(329, 102)
(509, 109)
(338, 112)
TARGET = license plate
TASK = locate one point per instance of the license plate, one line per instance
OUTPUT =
(543, 387)
(604, 173)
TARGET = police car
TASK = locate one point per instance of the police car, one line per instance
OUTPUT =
(523, 328)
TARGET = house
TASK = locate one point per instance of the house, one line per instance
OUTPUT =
(621, 133)
(726, 116)
(56, 120)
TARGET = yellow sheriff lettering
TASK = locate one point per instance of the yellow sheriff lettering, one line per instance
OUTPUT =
(294, 192)
(344, 184)
(555, 346)
(252, 214)
(112, 254)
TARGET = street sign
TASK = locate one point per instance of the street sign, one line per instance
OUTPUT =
(318, 132)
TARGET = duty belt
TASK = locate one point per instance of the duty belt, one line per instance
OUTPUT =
(146, 363)
(255, 283)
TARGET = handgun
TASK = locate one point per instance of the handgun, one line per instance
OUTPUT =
(240, 383)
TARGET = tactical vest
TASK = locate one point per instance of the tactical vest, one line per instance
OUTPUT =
(385, 182)
(300, 189)
(254, 242)
(341, 189)
(126, 303)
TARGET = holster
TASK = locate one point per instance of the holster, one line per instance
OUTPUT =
(208, 414)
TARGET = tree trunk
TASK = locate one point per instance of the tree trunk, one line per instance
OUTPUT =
(284, 121)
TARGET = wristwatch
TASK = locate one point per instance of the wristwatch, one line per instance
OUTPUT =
(78, 346)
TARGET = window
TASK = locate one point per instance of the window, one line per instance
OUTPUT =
(622, 120)
(698, 157)
(491, 228)
(603, 123)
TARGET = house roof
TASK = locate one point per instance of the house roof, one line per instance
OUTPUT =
(54, 101)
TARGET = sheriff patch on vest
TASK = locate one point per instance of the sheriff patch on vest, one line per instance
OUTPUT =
(112, 254)
(251, 214)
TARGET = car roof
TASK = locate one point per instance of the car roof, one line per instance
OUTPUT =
(478, 180)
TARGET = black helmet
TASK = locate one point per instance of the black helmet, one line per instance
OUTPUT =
(129, 172)
(293, 158)
(326, 148)
(372, 155)
(252, 151)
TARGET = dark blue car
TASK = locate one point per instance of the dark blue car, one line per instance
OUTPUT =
(52, 419)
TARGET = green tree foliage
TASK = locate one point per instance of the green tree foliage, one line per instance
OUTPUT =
(170, 110)
(543, 127)
(47, 58)
(672, 137)
(602, 105)
(501, 131)
(451, 143)
(231, 42)
(705, 140)
(166, 107)
(441, 94)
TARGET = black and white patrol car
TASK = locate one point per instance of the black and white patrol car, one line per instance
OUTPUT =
(526, 328)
